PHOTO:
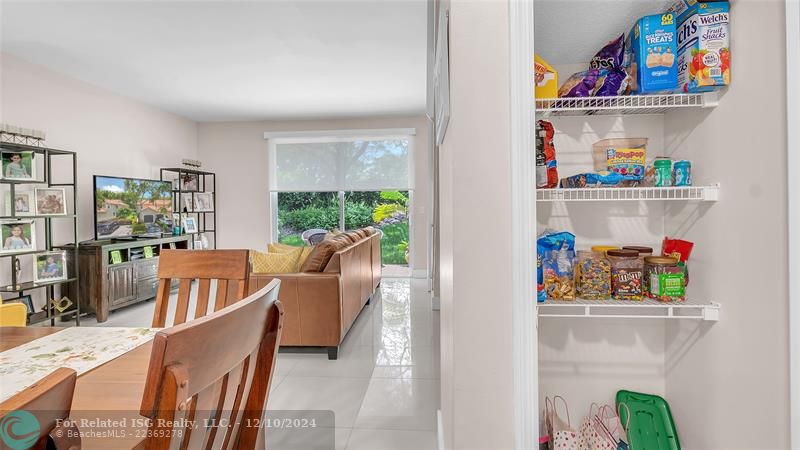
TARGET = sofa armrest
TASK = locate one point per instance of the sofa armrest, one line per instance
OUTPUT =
(312, 306)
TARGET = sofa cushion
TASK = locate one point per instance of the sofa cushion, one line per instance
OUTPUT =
(361, 233)
(283, 248)
(275, 262)
(354, 237)
(320, 255)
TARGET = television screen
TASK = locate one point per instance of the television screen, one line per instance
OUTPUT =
(131, 207)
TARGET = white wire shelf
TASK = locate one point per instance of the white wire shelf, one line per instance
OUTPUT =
(629, 309)
(701, 193)
(622, 105)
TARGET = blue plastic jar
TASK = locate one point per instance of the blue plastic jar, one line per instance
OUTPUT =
(682, 173)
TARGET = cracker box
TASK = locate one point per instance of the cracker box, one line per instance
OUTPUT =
(546, 78)
(704, 58)
(652, 54)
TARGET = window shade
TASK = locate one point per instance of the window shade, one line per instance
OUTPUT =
(341, 165)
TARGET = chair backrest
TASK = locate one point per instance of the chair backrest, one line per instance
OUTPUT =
(227, 267)
(49, 400)
(13, 315)
(216, 369)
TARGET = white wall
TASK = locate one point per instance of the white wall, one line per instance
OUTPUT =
(237, 152)
(727, 379)
(476, 250)
(112, 135)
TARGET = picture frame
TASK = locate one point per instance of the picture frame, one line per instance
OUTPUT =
(17, 237)
(51, 201)
(188, 203)
(50, 266)
(204, 201)
(204, 241)
(189, 224)
(197, 244)
(190, 182)
(26, 300)
(22, 205)
(18, 165)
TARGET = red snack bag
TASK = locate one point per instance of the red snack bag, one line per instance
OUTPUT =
(680, 249)
(546, 164)
(677, 248)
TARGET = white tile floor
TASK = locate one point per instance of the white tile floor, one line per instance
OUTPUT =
(383, 389)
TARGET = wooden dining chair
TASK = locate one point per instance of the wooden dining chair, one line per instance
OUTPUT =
(216, 369)
(228, 267)
(13, 315)
(49, 401)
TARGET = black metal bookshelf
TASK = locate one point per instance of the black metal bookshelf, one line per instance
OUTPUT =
(206, 183)
(50, 156)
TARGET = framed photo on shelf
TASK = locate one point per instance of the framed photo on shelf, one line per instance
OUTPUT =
(190, 182)
(197, 244)
(188, 203)
(23, 204)
(189, 224)
(50, 266)
(26, 300)
(19, 165)
(17, 237)
(204, 201)
(51, 201)
(204, 241)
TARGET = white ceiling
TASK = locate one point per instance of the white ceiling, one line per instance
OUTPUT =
(572, 31)
(232, 60)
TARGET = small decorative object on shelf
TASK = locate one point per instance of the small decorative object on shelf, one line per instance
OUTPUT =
(193, 163)
(61, 305)
(15, 135)
(194, 197)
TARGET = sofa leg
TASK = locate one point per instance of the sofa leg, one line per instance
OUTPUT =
(333, 353)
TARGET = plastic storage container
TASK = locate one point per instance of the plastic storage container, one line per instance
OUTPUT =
(593, 275)
(663, 172)
(626, 274)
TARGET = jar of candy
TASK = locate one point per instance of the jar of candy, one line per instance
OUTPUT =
(655, 264)
(665, 279)
(602, 249)
(683, 173)
(644, 252)
(593, 275)
(626, 274)
(663, 171)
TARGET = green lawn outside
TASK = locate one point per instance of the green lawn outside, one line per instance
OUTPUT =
(393, 235)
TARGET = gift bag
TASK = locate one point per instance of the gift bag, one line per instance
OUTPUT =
(562, 436)
(592, 433)
(608, 424)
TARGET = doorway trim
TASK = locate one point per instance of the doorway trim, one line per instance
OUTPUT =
(793, 179)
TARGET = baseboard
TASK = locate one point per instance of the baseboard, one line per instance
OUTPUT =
(439, 430)
(419, 273)
(435, 303)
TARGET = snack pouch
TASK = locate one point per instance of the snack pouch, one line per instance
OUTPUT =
(625, 156)
(650, 56)
(547, 242)
(546, 164)
(704, 57)
(605, 75)
(591, 179)
(558, 268)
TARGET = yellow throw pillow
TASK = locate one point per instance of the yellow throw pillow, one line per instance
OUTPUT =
(276, 262)
(280, 248)
(283, 248)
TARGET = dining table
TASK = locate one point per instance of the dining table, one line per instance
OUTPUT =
(107, 398)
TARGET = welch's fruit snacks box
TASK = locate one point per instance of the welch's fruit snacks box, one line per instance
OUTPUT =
(704, 58)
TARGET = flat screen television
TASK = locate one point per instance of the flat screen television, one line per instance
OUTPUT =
(129, 207)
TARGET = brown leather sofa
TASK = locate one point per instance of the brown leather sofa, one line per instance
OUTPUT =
(320, 307)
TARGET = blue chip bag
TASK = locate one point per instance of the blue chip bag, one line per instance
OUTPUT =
(546, 243)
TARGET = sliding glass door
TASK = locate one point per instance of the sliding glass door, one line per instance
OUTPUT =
(343, 183)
